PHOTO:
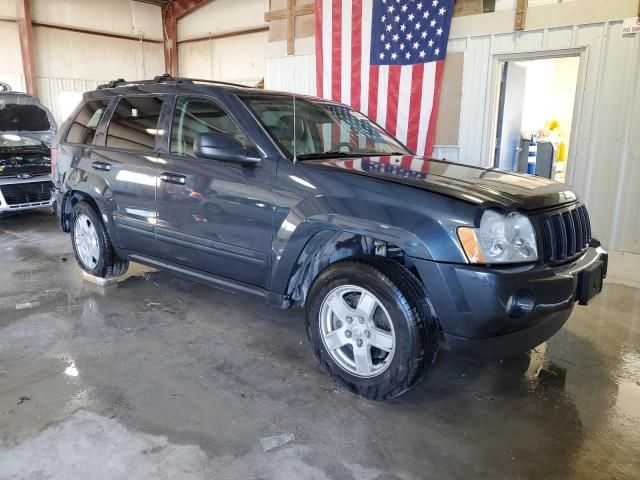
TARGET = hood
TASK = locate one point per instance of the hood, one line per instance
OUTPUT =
(23, 114)
(23, 157)
(481, 186)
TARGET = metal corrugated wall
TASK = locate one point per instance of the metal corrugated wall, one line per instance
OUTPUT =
(49, 90)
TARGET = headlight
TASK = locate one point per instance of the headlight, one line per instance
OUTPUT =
(500, 239)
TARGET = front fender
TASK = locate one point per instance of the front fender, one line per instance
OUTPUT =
(320, 214)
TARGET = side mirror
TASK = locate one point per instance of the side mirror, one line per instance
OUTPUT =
(223, 146)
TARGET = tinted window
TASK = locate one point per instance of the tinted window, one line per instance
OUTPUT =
(134, 123)
(86, 122)
(194, 116)
(30, 118)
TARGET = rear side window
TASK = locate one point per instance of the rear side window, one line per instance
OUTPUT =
(134, 123)
(194, 116)
(83, 128)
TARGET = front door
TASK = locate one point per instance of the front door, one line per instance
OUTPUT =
(214, 216)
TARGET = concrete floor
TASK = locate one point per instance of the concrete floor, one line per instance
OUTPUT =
(159, 377)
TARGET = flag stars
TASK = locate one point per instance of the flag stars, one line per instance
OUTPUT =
(433, 23)
(403, 27)
(391, 9)
(383, 18)
(435, 3)
(423, 34)
(431, 43)
(439, 32)
(382, 37)
(402, 46)
(409, 36)
(422, 53)
(404, 8)
(396, 37)
(437, 51)
(426, 15)
(418, 26)
(442, 11)
(387, 46)
(389, 28)
(419, 6)
(394, 55)
(397, 19)
(411, 17)
(381, 55)
(407, 55)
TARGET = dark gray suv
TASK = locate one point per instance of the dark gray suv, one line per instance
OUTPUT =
(302, 201)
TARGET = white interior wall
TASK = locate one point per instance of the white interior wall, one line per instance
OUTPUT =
(237, 58)
(220, 16)
(11, 71)
(68, 61)
(549, 92)
(125, 17)
(604, 159)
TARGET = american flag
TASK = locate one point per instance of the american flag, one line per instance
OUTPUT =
(385, 58)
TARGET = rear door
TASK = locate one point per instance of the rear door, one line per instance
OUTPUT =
(214, 216)
(127, 161)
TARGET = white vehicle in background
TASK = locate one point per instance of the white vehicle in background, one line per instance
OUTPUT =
(26, 130)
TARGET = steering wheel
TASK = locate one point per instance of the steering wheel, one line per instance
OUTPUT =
(344, 144)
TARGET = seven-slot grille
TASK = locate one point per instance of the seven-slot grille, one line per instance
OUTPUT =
(565, 234)
(20, 193)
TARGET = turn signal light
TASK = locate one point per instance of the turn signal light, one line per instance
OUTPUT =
(469, 242)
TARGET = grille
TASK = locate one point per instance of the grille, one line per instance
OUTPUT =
(19, 193)
(565, 234)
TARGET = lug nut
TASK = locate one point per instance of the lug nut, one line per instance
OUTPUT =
(367, 333)
(347, 334)
(349, 319)
(359, 342)
(360, 320)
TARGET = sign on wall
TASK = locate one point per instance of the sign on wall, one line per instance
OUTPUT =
(631, 25)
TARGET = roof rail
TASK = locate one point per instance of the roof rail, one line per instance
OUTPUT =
(166, 78)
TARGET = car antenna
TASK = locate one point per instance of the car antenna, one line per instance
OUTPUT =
(295, 156)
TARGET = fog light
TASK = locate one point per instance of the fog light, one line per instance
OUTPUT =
(520, 304)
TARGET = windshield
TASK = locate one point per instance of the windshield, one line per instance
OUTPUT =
(322, 129)
(15, 141)
(28, 118)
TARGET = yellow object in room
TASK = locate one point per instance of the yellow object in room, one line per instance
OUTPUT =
(562, 152)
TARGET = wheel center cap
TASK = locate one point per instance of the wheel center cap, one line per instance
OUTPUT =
(357, 331)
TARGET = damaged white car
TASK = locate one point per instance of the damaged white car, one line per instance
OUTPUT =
(26, 130)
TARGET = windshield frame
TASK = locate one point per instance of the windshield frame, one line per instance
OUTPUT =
(246, 97)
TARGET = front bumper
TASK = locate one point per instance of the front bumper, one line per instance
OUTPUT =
(12, 201)
(498, 312)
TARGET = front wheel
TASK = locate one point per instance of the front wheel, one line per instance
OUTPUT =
(92, 246)
(371, 326)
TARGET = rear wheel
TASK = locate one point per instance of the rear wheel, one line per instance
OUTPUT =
(371, 326)
(92, 246)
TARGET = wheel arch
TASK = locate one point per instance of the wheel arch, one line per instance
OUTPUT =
(326, 247)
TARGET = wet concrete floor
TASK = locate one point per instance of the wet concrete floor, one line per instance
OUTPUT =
(160, 377)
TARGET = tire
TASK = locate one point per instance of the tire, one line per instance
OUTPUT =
(104, 262)
(403, 324)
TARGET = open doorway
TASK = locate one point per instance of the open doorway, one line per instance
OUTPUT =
(535, 115)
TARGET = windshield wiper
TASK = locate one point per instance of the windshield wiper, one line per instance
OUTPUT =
(329, 154)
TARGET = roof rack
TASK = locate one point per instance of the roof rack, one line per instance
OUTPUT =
(166, 78)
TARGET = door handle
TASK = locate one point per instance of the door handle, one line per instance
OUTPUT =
(104, 166)
(173, 178)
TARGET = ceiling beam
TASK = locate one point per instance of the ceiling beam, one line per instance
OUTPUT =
(172, 11)
(25, 29)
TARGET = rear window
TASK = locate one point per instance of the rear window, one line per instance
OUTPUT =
(83, 128)
(23, 118)
(134, 123)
